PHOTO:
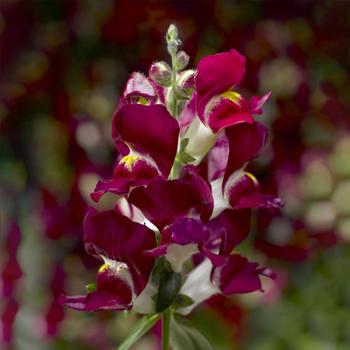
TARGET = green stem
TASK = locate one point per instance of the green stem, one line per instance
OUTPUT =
(166, 329)
(175, 103)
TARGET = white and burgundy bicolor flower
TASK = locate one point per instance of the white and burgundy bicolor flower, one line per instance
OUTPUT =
(146, 135)
(120, 243)
(218, 105)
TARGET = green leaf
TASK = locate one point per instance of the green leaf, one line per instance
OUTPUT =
(183, 336)
(169, 286)
(141, 327)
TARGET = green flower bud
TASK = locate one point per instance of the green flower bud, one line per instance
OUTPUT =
(160, 72)
(182, 60)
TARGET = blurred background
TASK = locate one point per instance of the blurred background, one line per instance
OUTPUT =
(63, 64)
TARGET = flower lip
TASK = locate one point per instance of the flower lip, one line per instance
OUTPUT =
(131, 171)
(116, 237)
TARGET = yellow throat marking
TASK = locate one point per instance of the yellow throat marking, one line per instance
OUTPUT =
(129, 161)
(232, 96)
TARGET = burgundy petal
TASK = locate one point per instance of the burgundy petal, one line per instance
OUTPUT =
(245, 143)
(162, 201)
(245, 193)
(239, 275)
(188, 114)
(217, 74)
(148, 130)
(201, 191)
(112, 293)
(232, 227)
(131, 171)
(139, 86)
(217, 158)
(221, 112)
(116, 237)
(187, 231)
(256, 102)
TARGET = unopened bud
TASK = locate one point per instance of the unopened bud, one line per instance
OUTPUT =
(186, 83)
(182, 60)
(160, 72)
(172, 39)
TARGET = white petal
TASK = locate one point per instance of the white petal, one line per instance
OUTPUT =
(201, 139)
(198, 286)
(177, 254)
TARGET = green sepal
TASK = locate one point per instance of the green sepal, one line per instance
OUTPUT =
(169, 286)
(183, 156)
(184, 336)
(141, 327)
(183, 300)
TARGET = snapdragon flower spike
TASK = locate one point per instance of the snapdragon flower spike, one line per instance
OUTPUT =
(218, 105)
(120, 243)
(164, 201)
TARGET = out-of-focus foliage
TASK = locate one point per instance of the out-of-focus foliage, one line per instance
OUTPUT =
(62, 64)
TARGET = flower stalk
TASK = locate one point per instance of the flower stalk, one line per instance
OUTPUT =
(166, 317)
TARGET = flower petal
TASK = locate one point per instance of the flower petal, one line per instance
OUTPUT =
(245, 193)
(256, 102)
(231, 227)
(245, 143)
(139, 86)
(131, 171)
(217, 158)
(116, 237)
(150, 131)
(217, 74)
(239, 275)
(112, 293)
(226, 110)
(163, 202)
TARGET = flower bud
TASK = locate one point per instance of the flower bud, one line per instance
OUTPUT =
(172, 39)
(160, 72)
(182, 60)
(186, 83)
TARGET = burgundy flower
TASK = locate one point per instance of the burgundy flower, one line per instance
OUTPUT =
(147, 136)
(120, 243)
(218, 105)
(164, 201)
